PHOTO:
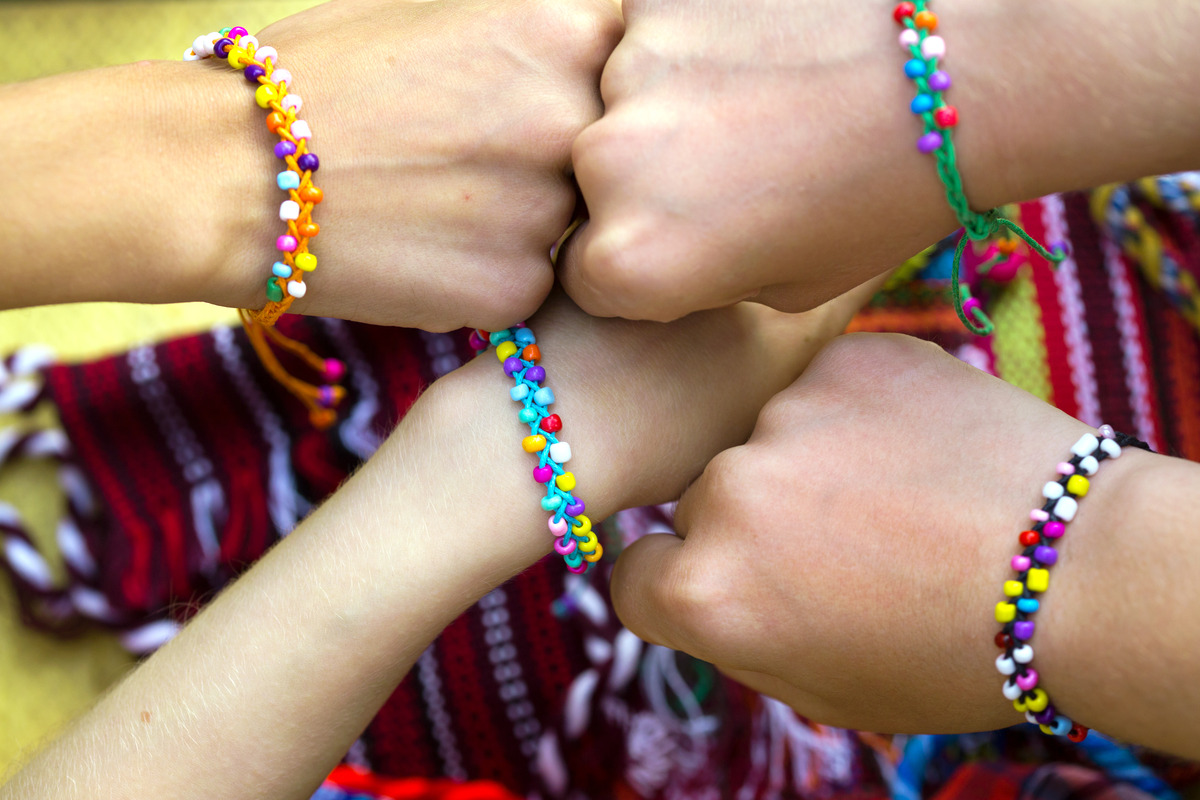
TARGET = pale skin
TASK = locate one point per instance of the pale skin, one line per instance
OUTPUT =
(848, 558)
(444, 131)
(766, 149)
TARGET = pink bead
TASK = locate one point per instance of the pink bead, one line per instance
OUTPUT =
(970, 306)
(909, 37)
(237, 31)
(1107, 432)
(933, 47)
(543, 474)
(1028, 680)
(334, 370)
(1065, 468)
(475, 342)
(580, 569)
(1021, 563)
(564, 546)
(286, 243)
(1004, 271)
(558, 526)
(1037, 515)
(1053, 530)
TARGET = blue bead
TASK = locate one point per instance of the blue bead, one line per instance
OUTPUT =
(288, 180)
(281, 269)
(525, 336)
(499, 336)
(543, 396)
(552, 502)
(527, 415)
(1027, 604)
(1061, 726)
(914, 68)
(921, 104)
(519, 393)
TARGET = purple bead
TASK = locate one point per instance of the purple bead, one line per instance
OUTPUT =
(1046, 715)
(1023, 630)
(535, 374)
(325, 397)
(929, 142)
(309, 162)
(1063, 247)
(254, 72)
(237, 31)
(939, 81)
(285, 149)
(1046, 555)
(221, 47)
(1053, 530)
(575, 509)
(512, 364)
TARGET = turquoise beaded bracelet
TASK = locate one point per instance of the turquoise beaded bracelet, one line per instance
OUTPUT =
(518, 352)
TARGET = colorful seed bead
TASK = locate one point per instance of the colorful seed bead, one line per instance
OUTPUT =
(1033, 576)
(517, 351)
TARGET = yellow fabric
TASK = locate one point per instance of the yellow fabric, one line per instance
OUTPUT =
(44, 682)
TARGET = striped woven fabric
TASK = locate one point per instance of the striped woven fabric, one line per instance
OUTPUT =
(184, 462)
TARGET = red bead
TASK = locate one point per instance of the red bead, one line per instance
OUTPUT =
(903, 10)
(946, 117)
(1030, 538)
(1003, 640)
(552, 423)
(1077, 733)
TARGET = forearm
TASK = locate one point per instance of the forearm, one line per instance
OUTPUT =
(1122, 636)
(130, 183)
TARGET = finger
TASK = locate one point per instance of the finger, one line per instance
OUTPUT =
(651, 592)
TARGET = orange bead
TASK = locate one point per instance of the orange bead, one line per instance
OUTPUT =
(308, 229)
(275, 121)
(531, 353)
(926, 20)
(311, 194)
(1007, 246)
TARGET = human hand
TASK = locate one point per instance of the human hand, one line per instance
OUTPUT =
(847, 558)
(445, 131)
(766, 151)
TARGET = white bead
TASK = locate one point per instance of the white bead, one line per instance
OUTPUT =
(263, 53)
(1086, 445)
(560, 452)
(281, 76)
(210, 39)
(1052, 490)
(1112, 448)
(246, 42)
(1030, 718)
(288, 210)
(1023, 654)
(1011, 690)
(1005, 665)
(908, 37)
(300, 130)
(202, 45)
(297, 289)
(292, 101)
(1065, 508)
(1089, 465)
(190, 55)
(933, 47)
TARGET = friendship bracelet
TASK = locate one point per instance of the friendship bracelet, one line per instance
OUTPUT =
(1033, 577)
(259, 65)
(518, 351)
(940, 119)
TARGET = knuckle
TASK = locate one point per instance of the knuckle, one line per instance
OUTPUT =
(583, 31)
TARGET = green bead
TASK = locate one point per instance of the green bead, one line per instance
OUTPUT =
(527, 415)
(574, 558)
(274, 291)
(550, 503)
(500, 336)
(225, 31)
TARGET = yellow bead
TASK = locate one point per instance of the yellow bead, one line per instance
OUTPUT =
(236, 54)
(583, 527)
(1038, 701)
(1005, 612)
(533, 444)
(506, 350)
(1013, 588)
(1078, 485)
(566, 481)
(589, 544)
(264, 94)
(306, 262)
(596, 556)
(1020, 705)
(1038, 580)
(1046, 729)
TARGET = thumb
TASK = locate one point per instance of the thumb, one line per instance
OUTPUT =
(651, 594)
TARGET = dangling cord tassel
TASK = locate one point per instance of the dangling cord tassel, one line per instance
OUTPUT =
(321, 401)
